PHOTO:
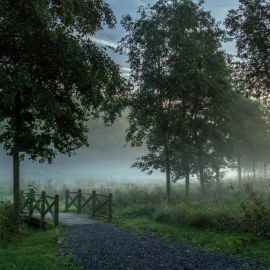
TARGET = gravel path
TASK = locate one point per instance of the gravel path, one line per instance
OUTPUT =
(107, 247)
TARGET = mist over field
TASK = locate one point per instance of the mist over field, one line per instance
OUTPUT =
(106, 159)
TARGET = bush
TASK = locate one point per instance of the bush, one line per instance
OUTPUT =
(7, 228)
(193, 215)
(256, 217)
(138, 211)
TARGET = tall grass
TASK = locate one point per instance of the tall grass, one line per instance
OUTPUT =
(230, 209)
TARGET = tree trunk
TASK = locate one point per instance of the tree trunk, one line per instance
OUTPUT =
(254, 170)
(16, 188)
(202, 181)
(239, 172)
(265, 170)
(218, 179)
(187, 186)
(168, 171)
(168, 182)
(16, 159)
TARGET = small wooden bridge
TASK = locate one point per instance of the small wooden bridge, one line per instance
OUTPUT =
(40, 209)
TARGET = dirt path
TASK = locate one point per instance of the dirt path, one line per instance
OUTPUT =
(101, 246)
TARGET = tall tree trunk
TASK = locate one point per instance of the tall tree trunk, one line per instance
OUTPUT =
(218, 179)
(16, 187)
(254, 170)
(168, 182)
(16, 159)
(202, 181)
(187, 185)
(265, 170)
(168, 172)
(239, 171)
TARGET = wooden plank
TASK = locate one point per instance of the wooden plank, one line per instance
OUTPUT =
(93, 203)
(49, 208)
(79, 202)
(110, 206)
(86, 202)
(73, 202)
(66, 200)
(101, 205)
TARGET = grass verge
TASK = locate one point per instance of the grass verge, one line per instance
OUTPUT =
(35, 250)
(232, 243)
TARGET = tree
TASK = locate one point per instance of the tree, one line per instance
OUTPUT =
(181, 79)
(52, 78)
(249, 25)
(248, 132)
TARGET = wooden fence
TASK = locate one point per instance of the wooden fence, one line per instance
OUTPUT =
(98, 204)
(39, 205)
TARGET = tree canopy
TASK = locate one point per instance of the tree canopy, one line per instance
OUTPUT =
(53, 77)
(249, 27)
(182, 82)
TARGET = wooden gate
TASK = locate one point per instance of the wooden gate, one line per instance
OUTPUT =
(97, 204)
(39, 205)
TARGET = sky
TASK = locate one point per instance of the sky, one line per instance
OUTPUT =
(106, 159)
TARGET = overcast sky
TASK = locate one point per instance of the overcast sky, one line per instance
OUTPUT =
(106, 158)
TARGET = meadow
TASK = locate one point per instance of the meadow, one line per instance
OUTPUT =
(234, 220)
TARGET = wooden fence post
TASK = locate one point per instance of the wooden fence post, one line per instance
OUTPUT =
(94, 203)
(67, 198)
(42, 209)
(56, 210)
(79, 202)
(110, 206)
(21, 200)
(31, 197)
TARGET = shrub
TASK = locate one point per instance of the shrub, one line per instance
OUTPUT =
(7, 228)
(138, 211)
(256, 217)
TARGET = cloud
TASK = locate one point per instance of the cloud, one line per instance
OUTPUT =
(104, 42)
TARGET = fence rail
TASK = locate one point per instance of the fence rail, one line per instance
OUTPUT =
(33, 204)
(97, 204)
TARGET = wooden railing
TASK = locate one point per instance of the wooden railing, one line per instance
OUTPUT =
(39, 205)
(96, 204)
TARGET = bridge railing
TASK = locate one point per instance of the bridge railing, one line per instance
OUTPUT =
(39, 205)
(97, 204)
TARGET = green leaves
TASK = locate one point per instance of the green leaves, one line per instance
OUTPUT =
(249, 26)
(183, 84)
(52, 77)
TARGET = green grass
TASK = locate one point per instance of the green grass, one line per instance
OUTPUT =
(232, 243)
(35, 250)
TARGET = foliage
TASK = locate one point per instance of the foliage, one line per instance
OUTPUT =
(182, 85)
(197, 215)
(249, 26)
(256, 217)
(51, 76)
(7, 229)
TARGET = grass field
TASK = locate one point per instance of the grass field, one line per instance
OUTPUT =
(34, 250)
